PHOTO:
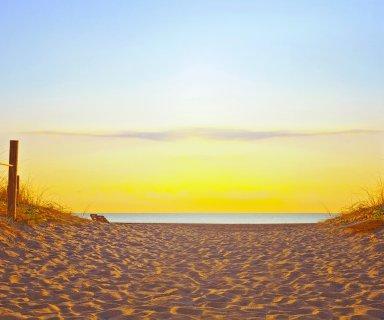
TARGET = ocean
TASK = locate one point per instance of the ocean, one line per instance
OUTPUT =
(215, 218)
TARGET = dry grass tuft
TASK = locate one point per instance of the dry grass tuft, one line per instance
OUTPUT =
(32, 209)
(365, 215)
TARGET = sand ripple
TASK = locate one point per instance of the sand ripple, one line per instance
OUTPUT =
(149, 271)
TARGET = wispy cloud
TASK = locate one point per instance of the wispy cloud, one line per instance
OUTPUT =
(208, 133)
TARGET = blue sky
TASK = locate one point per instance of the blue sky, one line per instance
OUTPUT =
(154, 64)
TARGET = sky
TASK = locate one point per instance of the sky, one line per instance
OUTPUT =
(194, 106)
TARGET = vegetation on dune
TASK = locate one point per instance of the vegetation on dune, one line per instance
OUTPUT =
(32, 209)
(364, 215)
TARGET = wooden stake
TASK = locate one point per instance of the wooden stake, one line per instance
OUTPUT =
(12, 178)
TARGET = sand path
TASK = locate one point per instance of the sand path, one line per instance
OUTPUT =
(149, 271)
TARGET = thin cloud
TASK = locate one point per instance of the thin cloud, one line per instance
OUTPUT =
(208, 133)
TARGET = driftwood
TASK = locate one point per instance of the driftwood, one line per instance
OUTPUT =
(99, 218)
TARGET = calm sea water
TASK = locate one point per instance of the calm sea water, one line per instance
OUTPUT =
(215, 218)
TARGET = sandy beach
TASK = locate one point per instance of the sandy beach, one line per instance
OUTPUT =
(168, 271)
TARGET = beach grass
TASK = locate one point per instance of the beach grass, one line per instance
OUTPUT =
(33, 208)
(365, 215)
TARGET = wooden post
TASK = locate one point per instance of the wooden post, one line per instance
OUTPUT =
(12, 178)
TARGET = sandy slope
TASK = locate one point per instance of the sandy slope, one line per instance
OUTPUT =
(138, 271)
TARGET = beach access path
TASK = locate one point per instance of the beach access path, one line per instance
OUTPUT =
(170, 271)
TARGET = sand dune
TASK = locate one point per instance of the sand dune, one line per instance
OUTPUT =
(153, 271)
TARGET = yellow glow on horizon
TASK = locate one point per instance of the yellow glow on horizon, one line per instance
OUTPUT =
(311, 174)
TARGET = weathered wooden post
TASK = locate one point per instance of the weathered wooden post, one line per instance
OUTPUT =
(12, 178)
